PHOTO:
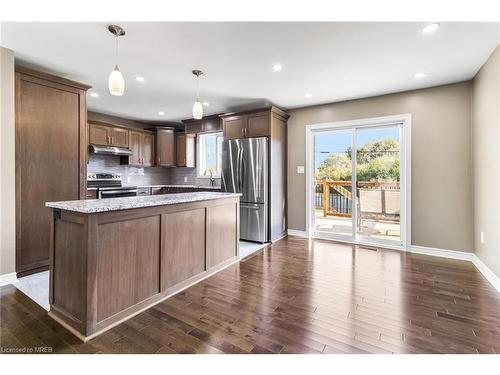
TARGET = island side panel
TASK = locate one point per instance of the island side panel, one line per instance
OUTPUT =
(183, 246)
(128, 263)
(68, 278)
(222, 231)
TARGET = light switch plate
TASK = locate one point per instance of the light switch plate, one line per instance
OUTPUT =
(300, 169)
(185, 179)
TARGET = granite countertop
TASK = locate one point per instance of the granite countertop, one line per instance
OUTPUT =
(91, 206)
(181, 186)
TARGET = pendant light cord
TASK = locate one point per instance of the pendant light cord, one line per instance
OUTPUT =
(116, 50)
(198, 91)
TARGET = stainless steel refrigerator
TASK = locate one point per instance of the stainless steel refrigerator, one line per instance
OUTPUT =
(245, 171)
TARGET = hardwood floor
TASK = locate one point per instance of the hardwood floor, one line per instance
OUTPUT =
(297, 296)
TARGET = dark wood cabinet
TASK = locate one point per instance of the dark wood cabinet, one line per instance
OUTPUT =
(51, 151)
(234, 127)
(142, 145)
(108, 266)
(98, 134)
(237, 126)
(165, 147)
(106, 135)
(212, 123)
(185, 150)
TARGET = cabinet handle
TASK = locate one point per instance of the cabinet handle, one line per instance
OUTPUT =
(242, 132)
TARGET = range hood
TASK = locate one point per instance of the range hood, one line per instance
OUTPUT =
(110, 150)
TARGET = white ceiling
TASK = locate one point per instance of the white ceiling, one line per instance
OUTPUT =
(333, 61)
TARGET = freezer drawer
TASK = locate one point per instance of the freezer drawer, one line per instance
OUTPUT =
(253, 222)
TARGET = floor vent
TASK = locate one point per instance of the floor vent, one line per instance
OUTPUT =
(371, 248)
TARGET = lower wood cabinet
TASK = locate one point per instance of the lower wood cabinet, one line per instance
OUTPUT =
(183, 255)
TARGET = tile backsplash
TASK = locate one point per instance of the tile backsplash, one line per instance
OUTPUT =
(145, 175)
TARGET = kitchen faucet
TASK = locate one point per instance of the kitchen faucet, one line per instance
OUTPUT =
(212, 180)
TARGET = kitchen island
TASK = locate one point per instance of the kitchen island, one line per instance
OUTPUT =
(112, 258)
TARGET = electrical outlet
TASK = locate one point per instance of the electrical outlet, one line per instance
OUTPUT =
(185, 179)
(482, 237)
(300, 169)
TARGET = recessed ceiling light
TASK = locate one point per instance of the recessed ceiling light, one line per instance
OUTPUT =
(309, 95)
(206, 104)
(161, 113)
(419, 75)
(139, 79)
(277, 67)
(94, 94)
(431, 28)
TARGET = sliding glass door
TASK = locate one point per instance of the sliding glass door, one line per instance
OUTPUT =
(357, 183)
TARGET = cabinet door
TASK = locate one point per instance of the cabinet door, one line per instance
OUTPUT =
(194, 127)
(148, 150)
(136, 147)
(165, 147)
(119, 137)
(180, 150)
(234, 127)
(210, 125)
(257, 125)
(182, 254)
(98, 134)
(221, 233)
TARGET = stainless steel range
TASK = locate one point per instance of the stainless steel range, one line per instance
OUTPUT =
(109, 185)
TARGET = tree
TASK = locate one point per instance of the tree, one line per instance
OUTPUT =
(377, 160)
(372, 150)
(335, 167)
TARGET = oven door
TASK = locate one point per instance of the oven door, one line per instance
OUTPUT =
(117, 193)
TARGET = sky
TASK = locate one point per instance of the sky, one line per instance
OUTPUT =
(339, 142)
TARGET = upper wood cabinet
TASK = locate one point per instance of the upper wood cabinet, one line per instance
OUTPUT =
(165, 147)
(246, 125)
(185, 150)
(106, 135)
(142, 145)
(212, 123)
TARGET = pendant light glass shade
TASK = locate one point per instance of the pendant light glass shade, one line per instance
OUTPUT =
(116, 83)
(197, 110)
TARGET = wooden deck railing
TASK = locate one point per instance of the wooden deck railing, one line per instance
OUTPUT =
(334, 198)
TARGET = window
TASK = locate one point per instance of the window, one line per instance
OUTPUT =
(209, 154)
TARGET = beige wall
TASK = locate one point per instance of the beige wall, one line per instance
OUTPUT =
(442, 208)
(486, 157)
(7, 163)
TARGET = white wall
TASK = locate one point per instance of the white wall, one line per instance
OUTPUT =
(7, 164)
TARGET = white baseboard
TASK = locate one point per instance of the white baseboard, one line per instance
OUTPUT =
(489, 275)
(452, 254)
(298, 233)
(8, 278)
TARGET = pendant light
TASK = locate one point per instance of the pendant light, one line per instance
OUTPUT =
(197, 107)
(116, 83)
